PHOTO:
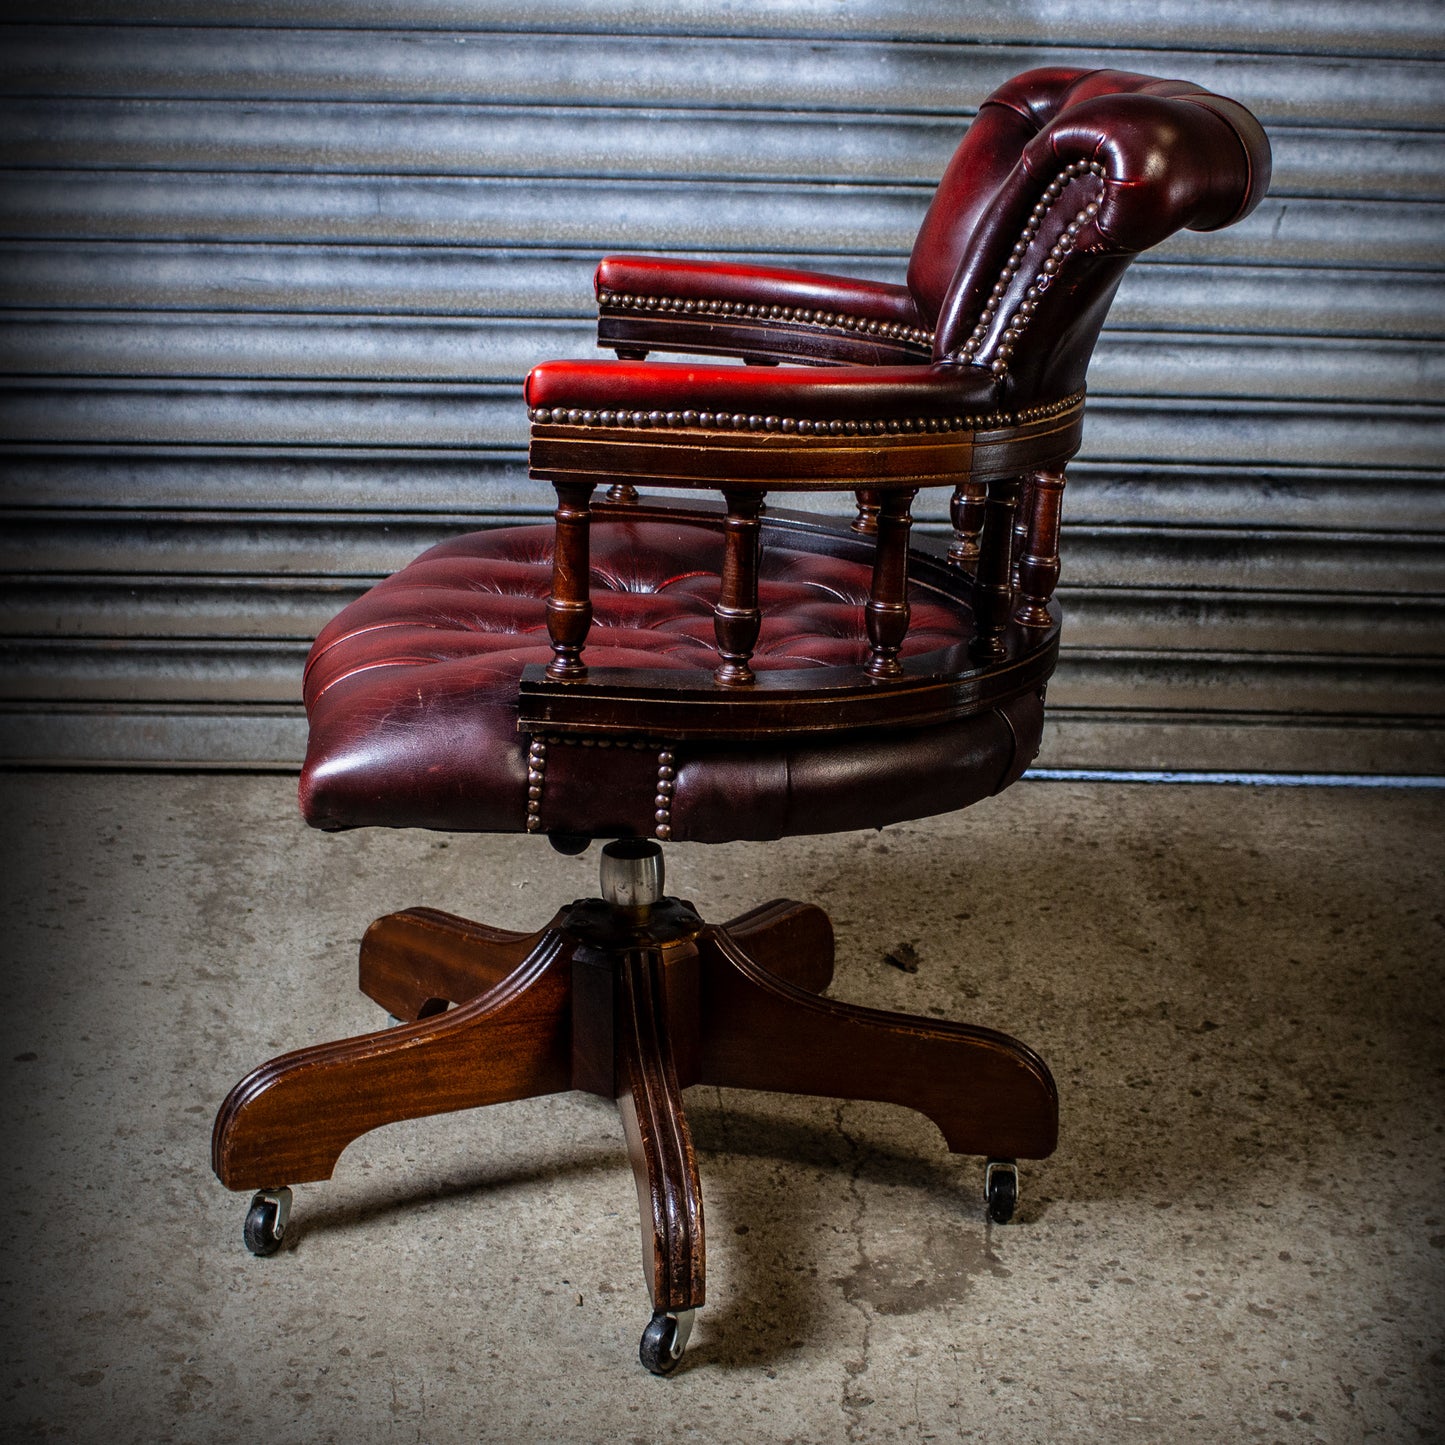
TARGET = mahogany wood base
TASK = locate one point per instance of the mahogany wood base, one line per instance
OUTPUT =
(635, 1005)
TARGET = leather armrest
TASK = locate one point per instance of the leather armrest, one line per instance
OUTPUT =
(651, 393)
(758, 312)
(813, 291)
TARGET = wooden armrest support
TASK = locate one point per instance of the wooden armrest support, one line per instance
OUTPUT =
(738, 619)
(886, 611)
(884, 468)
(569, 608)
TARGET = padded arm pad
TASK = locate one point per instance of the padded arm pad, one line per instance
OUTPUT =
(664, 276)
(849, 393)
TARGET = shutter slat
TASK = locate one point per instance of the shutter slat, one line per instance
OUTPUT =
(470, 68)
(612, 215)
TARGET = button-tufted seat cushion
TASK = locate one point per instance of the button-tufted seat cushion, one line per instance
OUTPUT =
(412, 696)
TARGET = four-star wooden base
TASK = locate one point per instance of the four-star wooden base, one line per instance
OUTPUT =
(632, 997)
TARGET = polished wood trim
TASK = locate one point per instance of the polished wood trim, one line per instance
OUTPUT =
(634, 1005)
(737, 619)
(421, 961)
(1021, 527)
(886, 612)
(785, 461)
(569, 608)
(988, 1093)
(659, 1143)
(1038, 567)
(794, 941)
(965, 511)
(993, 583)
(866, 522)
(770, 461)
(934, 688)
(288, 1121)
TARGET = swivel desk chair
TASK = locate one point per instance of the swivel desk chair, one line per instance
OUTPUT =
(644, 670)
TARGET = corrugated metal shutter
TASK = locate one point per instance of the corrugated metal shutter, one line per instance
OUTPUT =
(271, 274)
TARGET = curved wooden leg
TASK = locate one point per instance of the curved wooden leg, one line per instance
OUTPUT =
(988, 1093)
(792, 940)
(417, 962)
(288, 1121)
(649, 1098)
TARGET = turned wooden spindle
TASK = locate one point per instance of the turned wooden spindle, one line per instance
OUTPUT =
(737, 617)
(965, 511)
(993, 582)
(1021, 528)
(569, 608)
(866, 522)
(621, 493)
(1039, 565)
(886, 611)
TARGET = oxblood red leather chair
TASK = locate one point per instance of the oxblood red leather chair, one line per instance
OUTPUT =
(642, 671)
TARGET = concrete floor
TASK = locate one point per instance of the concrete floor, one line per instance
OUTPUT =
(1241, 1236)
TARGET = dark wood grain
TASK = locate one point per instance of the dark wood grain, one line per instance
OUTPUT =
(886, 612)
(737, 617)
(289, 1120)
(988, 1093)
(659, 1143)
(420, 961)
(632, 1004)
(993, 583)
(697, 457)
(792, 940)
(965, 511)
(1038, 567)
(865, 523)
(885, 471)
(933, 687)
(569, 608)
(1021, 527)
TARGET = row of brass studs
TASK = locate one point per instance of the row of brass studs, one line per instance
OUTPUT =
(801, 426)
(1020, 319)
(640, 745)
(662, 803)
(536, 776)
(666, 777)
(762, 311)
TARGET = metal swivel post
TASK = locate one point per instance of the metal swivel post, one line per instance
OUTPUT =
(632, 874)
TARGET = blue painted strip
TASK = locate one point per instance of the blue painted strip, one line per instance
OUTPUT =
(1253, 780)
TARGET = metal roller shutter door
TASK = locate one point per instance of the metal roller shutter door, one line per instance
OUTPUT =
(268, 287)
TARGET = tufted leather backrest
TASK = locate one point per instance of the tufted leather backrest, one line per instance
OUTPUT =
(1063, 177)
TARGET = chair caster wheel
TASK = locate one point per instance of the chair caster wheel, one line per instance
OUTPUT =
(265, 1226)
(1001, 1189)
(664, 1340)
